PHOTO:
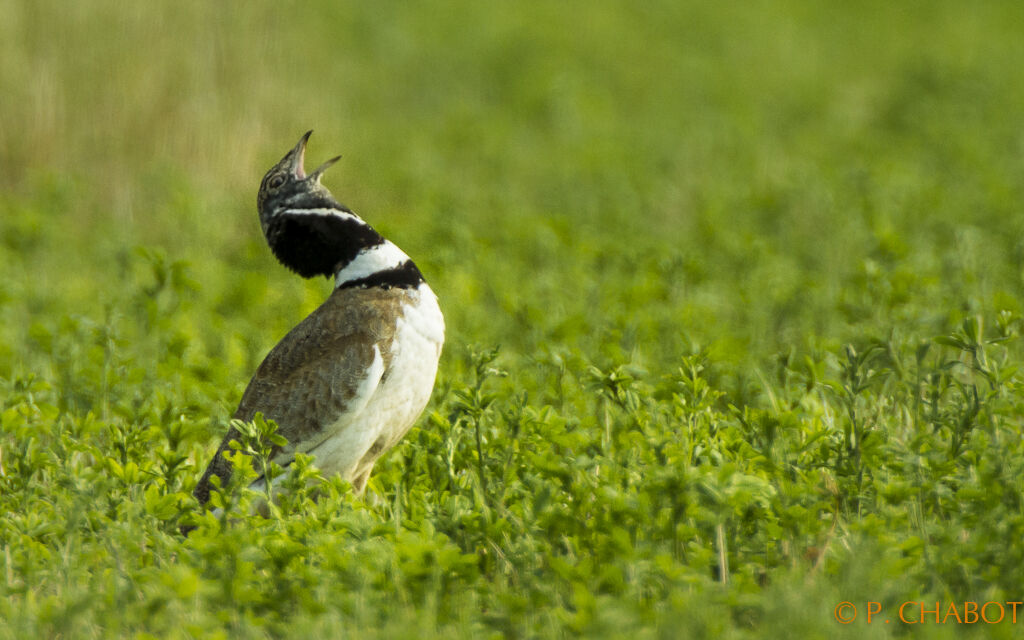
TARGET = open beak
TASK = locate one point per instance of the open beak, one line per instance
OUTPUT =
(295, 158)
(319, 172)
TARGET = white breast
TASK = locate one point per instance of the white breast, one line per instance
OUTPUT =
(396, 402)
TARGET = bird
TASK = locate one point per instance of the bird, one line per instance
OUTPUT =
(347, 382)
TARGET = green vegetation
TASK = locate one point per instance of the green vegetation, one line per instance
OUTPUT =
(734, 295)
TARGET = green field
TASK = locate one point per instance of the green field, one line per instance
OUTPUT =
(733, 293)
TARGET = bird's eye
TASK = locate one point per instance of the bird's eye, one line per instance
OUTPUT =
(276, 182)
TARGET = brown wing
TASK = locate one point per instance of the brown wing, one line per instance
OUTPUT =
(310, 379)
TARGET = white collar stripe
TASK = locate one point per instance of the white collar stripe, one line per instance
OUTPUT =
(323, 211)
(369, 261)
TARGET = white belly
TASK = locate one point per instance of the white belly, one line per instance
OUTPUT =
(395, 404)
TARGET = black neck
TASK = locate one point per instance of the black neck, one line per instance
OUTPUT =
(312, 244)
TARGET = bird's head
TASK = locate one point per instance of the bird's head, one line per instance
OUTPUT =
(286, 185)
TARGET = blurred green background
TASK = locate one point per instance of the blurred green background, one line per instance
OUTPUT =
(652, 176)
